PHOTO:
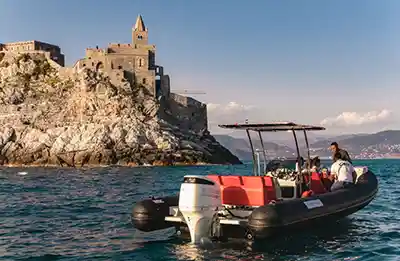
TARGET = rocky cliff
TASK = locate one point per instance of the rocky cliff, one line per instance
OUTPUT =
(83, 118)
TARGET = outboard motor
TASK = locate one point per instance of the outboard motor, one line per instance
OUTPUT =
(199, 203)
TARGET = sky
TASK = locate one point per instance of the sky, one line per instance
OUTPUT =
(334, 63)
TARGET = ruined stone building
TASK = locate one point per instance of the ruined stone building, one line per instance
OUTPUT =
(135, 60)
(51, 51)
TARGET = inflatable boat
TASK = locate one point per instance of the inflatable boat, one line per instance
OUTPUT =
(274, 200)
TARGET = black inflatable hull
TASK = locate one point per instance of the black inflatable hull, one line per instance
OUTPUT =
(149, 214)
(273, 219)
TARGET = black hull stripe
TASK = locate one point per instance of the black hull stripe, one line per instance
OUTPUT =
(337, 211)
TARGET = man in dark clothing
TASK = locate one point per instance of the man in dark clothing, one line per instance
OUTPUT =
(344, 155)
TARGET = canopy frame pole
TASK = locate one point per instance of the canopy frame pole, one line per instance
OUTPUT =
(265, 156)
(309, 157)
(298, 162)
(252, 152)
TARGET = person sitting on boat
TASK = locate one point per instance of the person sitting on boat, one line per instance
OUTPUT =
(344, 154)
(315, 164)
(322, 171)
(342, 172)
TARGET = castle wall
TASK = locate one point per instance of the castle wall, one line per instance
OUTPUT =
(191, 113)
(53, 51)
(132, 49)
(165, 85)
(134, 62)
(121, 62)
(148, 79)
(109, 63)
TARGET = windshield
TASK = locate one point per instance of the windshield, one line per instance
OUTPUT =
(276, 164)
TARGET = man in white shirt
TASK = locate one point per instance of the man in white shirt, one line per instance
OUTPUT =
(343, 173)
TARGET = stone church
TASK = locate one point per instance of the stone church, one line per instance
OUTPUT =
(134, 61)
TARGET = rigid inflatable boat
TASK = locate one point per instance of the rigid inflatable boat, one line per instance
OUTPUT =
(273, 200)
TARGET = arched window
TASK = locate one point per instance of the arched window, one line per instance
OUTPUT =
(140, 62)
(99, 66)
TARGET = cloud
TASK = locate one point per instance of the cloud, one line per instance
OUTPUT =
(230, 108)
(354, 118)
(229, 113)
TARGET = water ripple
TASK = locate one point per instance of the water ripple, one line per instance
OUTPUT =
(66, 214)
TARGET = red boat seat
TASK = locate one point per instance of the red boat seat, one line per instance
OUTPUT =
(270, 189)
(254, 187)
(245, 190)
(317, 186)
(233, 192)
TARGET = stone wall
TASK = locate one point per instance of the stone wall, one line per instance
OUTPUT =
(52, 51)
(186, 112)
(137, 63)
(128, 65)
(192, 114)
(165, 85)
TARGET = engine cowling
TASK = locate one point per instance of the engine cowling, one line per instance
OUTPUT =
(199, 202)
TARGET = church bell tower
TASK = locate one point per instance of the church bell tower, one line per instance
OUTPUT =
(139, 32)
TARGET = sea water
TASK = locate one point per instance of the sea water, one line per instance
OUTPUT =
(70, 214)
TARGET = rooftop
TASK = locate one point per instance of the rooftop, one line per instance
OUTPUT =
(139, 25)
(275, 126)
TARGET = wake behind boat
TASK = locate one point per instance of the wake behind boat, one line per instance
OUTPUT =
(270, 202)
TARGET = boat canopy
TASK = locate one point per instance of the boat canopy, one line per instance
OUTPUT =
(276, 126)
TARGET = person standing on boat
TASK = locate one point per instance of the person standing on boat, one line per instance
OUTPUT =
(342, 172)
(344, 154)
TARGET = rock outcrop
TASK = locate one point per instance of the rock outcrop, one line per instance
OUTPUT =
(83, 118)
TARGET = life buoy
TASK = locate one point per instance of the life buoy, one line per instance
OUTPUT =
(307, 193)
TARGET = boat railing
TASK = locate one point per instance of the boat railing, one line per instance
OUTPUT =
(261, 163)
(258, 163)
(274, 127)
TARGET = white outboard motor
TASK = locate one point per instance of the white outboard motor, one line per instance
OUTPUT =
(199, 203)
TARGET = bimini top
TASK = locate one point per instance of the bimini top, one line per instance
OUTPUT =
(276, 126)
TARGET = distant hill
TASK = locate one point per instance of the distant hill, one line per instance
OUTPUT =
(376, 145)
(381, 144)
(241, 147)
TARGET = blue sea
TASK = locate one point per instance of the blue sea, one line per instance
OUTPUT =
(72, 214)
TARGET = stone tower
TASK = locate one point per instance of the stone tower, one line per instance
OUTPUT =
(139, 33)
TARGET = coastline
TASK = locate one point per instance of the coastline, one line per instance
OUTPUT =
(133, 165)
